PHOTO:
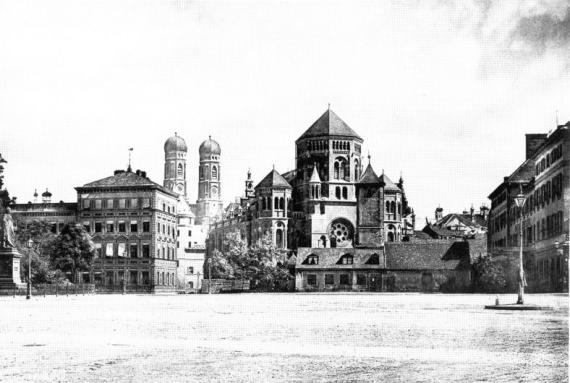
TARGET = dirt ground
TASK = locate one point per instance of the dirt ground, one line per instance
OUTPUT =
(350, 337)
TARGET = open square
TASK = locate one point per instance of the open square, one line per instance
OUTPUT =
(282, 337)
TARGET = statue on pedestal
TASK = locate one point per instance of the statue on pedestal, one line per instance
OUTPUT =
(9, 254)
(7, 235)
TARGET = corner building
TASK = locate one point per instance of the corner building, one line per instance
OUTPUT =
(133, 223)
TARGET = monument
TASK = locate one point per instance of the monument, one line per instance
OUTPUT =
(9, 254)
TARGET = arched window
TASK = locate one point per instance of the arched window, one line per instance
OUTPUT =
(336, 170)
(356, 174)
(393, 207)
(201, 172)
(180, 171)
(282, 203)
(263, 204)
(268, 203)
(387, 206)
(207, 172)
(344, 192)
(214, 172)
(279, 239)
(346, 171)
(399, 208)
(337, 192)
(276, 203)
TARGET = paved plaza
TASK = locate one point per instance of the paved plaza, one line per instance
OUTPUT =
(281, 337)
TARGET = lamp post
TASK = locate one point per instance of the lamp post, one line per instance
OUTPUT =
(29, 287)
(519, 201)
(209, 275)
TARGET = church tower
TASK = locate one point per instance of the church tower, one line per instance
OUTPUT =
(370, 216)
(209, 185)
(175, 151)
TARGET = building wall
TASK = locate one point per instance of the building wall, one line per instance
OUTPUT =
(145, 254)
(545, 178)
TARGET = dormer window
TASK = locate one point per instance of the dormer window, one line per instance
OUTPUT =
(346, 259)
(312, 260)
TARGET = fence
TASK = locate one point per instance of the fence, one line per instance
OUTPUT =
(216, 286)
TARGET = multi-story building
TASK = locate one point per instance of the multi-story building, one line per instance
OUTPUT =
(458, 225)
(57, 214)
(133, 223)
(544, 179)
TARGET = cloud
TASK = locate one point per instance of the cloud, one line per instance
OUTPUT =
(543, 31)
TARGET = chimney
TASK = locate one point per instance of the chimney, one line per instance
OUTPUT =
(533, 141)
(143, 174)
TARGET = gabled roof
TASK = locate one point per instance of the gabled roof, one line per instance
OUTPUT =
(329, 124)
(369, 177)
(272, 180)
(388, 184)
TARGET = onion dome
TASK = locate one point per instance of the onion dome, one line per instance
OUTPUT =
(175, 144)
(46, 194)
(209, 147)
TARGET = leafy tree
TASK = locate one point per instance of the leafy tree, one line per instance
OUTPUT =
(219, 266)
(72, 250)
(262, 264)
(489, 276)
(40, 234)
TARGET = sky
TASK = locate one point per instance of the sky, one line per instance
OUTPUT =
(441, 91)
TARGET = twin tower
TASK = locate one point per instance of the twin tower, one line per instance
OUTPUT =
(209, 203)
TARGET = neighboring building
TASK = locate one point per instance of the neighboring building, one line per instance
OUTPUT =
(544, 179)
(133, 223)
(430, 266)
(454, 225)
(57, 214)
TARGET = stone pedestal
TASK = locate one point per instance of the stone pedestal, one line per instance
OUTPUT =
(10, 269)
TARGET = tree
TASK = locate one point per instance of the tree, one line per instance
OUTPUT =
(262, 264)
(489, 276)
(72, 250)
(40, 234)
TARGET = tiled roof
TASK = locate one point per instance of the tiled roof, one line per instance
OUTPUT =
(273, 179)
(369, 177)
(329, 124)
(388, 184)
(125, 179)
(436, 255)
(329, 258)
(289, 176)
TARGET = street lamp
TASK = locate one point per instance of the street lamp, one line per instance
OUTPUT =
(519, 201)
(29, 287)
(209, 275)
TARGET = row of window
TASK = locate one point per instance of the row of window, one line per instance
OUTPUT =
(550, 158)
(550, 268)
(344, 279)
(121, 203)
(180, 170)
(548, 227)
(132, 250)
(278, 203)
(165, 279)
(120, 227)
(546, 193)
(205, 172)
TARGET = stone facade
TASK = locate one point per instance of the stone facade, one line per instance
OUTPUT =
(544, 179)
(133, 223)
(317, 204)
